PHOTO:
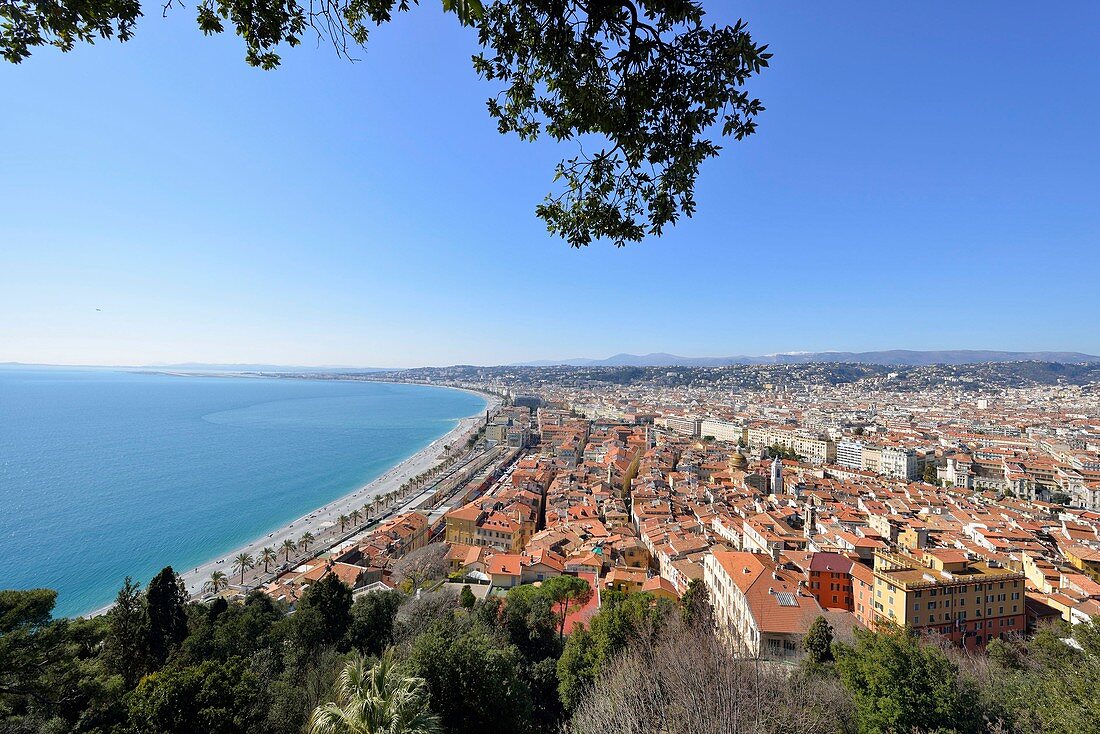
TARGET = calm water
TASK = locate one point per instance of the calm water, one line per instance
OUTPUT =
(105, 474)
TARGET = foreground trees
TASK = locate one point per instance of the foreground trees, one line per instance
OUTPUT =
(686, 681)
(641, 667)
(900, 683)
(376, 699)
(648, 84)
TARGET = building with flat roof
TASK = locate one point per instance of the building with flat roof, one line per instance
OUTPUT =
(943, 591)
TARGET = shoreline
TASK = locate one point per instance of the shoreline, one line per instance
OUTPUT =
(324, 517)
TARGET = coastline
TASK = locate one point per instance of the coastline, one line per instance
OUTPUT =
(323, 518)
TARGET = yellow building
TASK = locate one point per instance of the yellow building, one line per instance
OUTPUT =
(942, 591)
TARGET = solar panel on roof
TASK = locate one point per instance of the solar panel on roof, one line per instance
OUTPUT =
(786, 599)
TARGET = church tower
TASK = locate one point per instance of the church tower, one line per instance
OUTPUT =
(777, 476)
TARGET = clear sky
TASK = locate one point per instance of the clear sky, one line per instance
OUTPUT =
(926, 176)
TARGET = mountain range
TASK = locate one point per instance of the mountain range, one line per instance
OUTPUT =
(899, 357)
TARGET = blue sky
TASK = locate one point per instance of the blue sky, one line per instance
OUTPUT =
(926, 176)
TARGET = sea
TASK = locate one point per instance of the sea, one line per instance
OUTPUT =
(108, 473)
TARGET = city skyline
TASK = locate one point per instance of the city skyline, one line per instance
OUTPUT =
(167, 203)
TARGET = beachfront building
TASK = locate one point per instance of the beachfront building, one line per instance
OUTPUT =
(395, 537)
(506, 528)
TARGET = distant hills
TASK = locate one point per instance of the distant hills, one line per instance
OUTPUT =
(899, 357)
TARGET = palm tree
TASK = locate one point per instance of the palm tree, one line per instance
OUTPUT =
(376, 700)
(367, 510)
(268, 556)
(343, 520)
(288, 546)
(305, 540)
(356, 516)
(242, 563)
(218, 581)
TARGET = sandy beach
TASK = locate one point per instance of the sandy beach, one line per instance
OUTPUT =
(320, 522)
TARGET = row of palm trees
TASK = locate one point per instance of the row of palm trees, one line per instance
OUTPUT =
(244, 562)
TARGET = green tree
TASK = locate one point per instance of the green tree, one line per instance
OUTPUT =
(242, 563)
(288, 546)
(528, 618)
(623, 618)
(267, 557)
(474, 679)
(818, 641)
(218, 581)
(566, 593)
(466, 598)
(1047, 683)
(213, 698)
(900, 684)
(372, 621)
(125, 649)
(30, 643)
(323, 614)
(343, 520)
(650, 80)
(376, 700)
(695, 607)
(930, 473)
(305, 541)
(165, 600)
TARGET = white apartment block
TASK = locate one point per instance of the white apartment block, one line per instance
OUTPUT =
(849, 454)
(721, 430)
(900, 463)
(682, 425)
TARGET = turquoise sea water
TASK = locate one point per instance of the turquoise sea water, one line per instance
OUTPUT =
(105, 474)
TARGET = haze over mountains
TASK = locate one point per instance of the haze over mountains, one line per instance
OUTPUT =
(900, 357)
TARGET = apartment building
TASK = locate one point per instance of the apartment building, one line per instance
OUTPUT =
(849, 454)
(721, 430)
(899, 462)
(759, 607)
(682, 425)
(943, 591)
(815, 449)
